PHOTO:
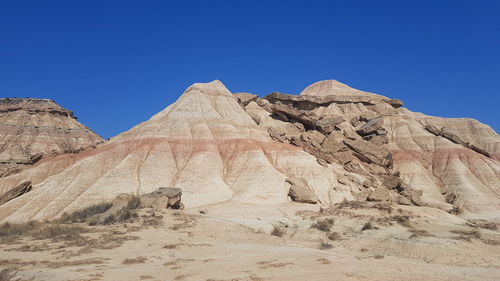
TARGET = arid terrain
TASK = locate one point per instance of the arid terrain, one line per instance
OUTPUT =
(353, 241)
(331, 184)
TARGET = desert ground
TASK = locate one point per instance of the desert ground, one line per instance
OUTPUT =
(241, 241)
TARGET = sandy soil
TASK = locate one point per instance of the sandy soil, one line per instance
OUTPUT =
(233, 242)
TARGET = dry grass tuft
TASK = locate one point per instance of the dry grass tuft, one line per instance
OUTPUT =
(278, 230)
(323, 245)
(334, 236)
(58, 233)
(84, 214)
(367, 226)
(7, 274)
(324, 224)
(466, 235)
(135, 260)
(11, 231)
(419, 233)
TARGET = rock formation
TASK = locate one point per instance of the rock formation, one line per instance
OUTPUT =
(32, 129)
(329, 144)
(440, 162)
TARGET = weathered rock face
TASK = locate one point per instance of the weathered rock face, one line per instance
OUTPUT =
(441, 161)
(331, 142)
(35, 128)
(205, 144)
(15, 192)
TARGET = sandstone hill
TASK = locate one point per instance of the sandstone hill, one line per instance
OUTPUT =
(32, 129)
(330, 144)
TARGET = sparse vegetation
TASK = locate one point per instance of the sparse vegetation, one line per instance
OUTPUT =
(278, 230)
(10, 231)
(126, 214)
(7, 274)
(352, 204)
(402, 220)
(135, 260)
(84, 214)
(324, 224)
(466, 235)
(385, 207)
(323, 245)
(419, 233)
(334, 236)
(367, 226)
(58, 233)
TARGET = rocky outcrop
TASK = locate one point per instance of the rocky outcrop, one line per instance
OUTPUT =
(32, 129)
(254, 145)
(373, 126)
(245, 98)
(15, 192)
(300, 192)
(396, 103)
(449, 135)
(205, 144)
(163, 198)
(370, 153)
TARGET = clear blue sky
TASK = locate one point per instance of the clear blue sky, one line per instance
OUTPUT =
(116, 63)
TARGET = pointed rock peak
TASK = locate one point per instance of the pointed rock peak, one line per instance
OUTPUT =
(334, 87)
(215, 86)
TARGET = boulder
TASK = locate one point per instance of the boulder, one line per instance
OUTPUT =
(120, 203)
(370, 153)
(392, 181)
(414, 195)
(313, 138)
(17, 191)
(380, 194)
(292, 113)
(403, 200)
(327, 125)
(371, 127)
(164, 197)
(300, 192)
(333, 143)
(396, 103)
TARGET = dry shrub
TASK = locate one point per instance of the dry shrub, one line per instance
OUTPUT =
(278, 230)
(10, 231)
(419, 233)
(324, 224)
(466, 235)
(385, 207)
(84, 214)
(402, 220)
(323, 245)
(7, 274)
(127, 214)
(352, 204)
(367, 226)
(58, 233)
(135, 260)
(334, 236)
